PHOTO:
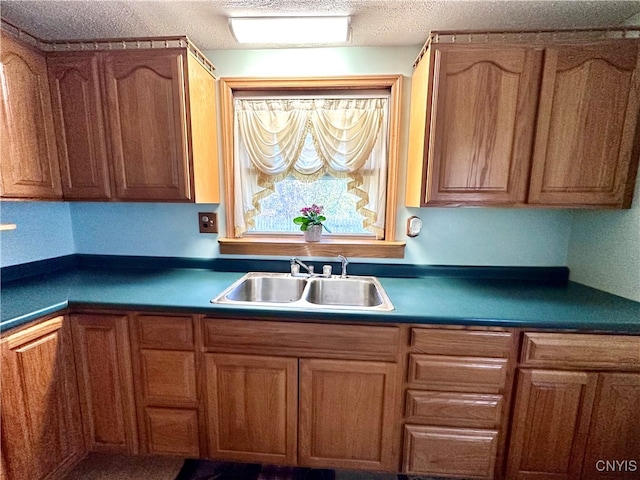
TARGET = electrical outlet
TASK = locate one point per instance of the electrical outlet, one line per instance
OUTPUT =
(208, 222)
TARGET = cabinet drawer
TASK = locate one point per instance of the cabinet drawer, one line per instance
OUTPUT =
(461, 342)
(168, 378)
(160, 331)
(301, 339)
(467, 453)
(172, 432)
(454, 409)
(457, 374)
(581, 350)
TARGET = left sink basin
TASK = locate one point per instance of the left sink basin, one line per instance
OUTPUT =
(264, 287)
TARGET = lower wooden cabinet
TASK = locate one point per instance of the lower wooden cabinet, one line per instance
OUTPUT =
(614, 433)
(252, 407)
(40, 415)
(164, 372)
(295, 408)
(466, 453)
(347, 414)
(457, 401)
(283, 393)
(103, 362)
(576, 423)
(551, 420)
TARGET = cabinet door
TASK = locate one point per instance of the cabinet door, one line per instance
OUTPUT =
(347, 414)
(103, 360)
(29, 164)
(614, 436)
(147, 124)
(41, 426)
(550, 425)
(78, 116)
(586, 126)
(251, 407)
(482, 123)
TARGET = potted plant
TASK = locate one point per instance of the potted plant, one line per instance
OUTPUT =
(311, 222)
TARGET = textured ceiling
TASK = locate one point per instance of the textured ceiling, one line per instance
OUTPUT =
(373, 22)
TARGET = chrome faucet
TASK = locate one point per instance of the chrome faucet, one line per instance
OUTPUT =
(296, 263)
(345, 262)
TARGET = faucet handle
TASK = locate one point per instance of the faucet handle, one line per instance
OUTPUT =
(345, 262)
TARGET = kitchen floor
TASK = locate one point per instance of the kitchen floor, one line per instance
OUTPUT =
(101, 466)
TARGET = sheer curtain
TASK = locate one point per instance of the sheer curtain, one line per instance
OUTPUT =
(349, 140)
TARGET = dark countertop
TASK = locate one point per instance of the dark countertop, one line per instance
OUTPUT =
(429, 300)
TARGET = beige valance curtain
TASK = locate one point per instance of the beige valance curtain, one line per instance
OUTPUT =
(348, 139)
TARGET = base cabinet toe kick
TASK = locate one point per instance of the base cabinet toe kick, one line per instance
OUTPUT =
(445, 401)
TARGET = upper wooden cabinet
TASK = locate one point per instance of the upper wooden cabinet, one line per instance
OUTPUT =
(144, 127)
(524, 125)
(29, 167)
(482, 123)
(586, 133)
(77, 106)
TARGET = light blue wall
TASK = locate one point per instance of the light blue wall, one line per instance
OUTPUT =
(604, 249)
(469, 236)
(151, 229)
(43, 231)
(488, 236)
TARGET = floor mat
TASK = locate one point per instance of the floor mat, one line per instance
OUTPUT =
(211, 470)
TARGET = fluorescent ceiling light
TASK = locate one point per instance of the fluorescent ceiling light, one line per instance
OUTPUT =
(290, 30)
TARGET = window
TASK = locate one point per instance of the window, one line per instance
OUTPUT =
(291, 143)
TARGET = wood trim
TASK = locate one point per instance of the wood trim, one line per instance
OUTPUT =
(101, 44)
(419, 125)
(202, 132)
(229, 87)
(324, 248)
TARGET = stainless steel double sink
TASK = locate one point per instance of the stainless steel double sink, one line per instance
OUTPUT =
(284, 290)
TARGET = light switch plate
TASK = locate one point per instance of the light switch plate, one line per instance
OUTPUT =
(208, 222)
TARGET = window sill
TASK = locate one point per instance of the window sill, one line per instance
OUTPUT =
(349, 247)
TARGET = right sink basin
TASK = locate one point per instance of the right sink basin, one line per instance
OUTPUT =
(351, 292)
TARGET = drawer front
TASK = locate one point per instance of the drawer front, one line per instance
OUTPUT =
(161, 331)
(457, 374)
(168, 378)
(302, 339)
(467, 453)
(581, 350)
(467, 343)
(172, 432)
(454, 409)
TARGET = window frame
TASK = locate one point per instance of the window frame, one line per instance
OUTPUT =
(274, 244)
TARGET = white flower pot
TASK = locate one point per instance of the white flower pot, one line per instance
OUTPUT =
(313, 233)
